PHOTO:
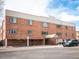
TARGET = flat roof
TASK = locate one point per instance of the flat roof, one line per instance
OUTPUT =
(49, 19)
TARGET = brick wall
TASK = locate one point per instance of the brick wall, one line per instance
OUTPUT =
(21, 26)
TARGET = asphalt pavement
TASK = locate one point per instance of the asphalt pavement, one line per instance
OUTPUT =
(41, 52)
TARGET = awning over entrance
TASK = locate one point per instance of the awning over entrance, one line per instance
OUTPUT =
(51, 36)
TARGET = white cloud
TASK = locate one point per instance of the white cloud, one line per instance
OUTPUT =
(78, 8)
(36, 7)
(63, 14)
(68, 17)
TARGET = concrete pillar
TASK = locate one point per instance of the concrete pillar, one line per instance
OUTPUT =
(28, 41)
(5, 42)
(43, 41)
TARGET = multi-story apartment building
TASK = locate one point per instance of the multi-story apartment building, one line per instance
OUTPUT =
(77, 35)
(17, 26)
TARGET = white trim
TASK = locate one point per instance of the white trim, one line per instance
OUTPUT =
(37, 18)
(51, 36)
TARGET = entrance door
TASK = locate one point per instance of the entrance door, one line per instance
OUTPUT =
(47, 41)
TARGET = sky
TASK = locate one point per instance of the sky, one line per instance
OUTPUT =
(65, 10)
(1, 12)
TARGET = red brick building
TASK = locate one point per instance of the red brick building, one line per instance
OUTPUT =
(77, 35)
(17, 26)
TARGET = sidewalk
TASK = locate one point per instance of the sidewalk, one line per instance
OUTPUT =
(8, 49)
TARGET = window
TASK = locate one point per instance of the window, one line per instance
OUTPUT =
(58, 26)
(44, 33)
(13, 20)
(58, 33)
(73, 28)
(12, 31)
(30, 22)
(66, 27)
(44, 24)
(29, 32)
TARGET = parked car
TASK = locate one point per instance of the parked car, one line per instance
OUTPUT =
(69, 42)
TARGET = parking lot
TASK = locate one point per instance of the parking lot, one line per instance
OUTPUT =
(43, 53)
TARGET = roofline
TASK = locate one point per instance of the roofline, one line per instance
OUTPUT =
(49, 19)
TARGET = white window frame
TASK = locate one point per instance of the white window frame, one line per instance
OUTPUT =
(12, 31)
(13, 20)
(45, 24)
(30, 22)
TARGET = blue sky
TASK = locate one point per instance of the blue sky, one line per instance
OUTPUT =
(67, 7)
(65, 10)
